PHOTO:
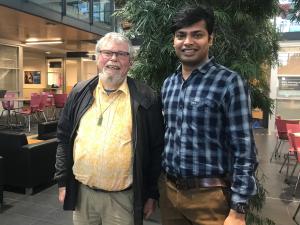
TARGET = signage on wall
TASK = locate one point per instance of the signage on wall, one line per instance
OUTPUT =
(32, 77)
(289, 83)
(55, 64)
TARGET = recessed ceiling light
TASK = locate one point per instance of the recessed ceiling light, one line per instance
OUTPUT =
(43, 42)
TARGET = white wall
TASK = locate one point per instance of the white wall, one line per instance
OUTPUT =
(89, 69)
(34, 62)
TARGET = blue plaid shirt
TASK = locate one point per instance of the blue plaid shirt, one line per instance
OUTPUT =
(208, 128)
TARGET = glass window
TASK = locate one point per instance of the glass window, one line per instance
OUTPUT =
(55, 5)
(283, 20)
(79, 9)
(8, 57)
(288, 108)
(102, 11)
(8, 79)
(55, 73)
(9, 68)
(289, 72)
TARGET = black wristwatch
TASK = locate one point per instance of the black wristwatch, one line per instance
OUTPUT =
(240, 207)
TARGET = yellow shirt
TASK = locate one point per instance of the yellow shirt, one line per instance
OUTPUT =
(103, 155)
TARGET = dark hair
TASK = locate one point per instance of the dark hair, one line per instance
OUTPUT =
(192, 14)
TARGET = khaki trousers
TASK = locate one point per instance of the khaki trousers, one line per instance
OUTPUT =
(199, 206)
(103, 208)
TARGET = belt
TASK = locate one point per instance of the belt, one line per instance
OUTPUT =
(102, 190)
(196, 182)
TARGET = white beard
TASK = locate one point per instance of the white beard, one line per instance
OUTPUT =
(111, 80)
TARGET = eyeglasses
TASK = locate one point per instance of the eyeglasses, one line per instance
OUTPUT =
(109, 54)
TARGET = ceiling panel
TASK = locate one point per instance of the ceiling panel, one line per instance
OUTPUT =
(18, 26)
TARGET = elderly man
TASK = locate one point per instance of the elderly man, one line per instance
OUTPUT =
(110, 139)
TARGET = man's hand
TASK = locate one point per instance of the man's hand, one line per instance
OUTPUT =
(61, 194)
(149, 207)
(235, 218)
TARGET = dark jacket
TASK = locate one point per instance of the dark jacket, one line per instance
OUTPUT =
(147, 136)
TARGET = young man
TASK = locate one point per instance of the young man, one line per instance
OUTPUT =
(110, 139)
(209, 157)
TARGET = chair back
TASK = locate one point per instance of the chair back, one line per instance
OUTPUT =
(293, 127)
(43, 101)
(49, 100)
(295, 141)
(8, 103)
(60, 100)
(35, 101)
(281, 126)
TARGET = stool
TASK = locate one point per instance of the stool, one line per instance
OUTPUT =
(1, 180)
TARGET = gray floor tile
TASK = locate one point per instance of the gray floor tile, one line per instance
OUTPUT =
(49, 200)
(42, 222)
(280, 211)
(51, 190)
(59, 217)
(280, 203)
(151, 222)
(30, 209)
(16, 219)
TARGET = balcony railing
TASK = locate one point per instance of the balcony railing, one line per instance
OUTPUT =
(91, 11)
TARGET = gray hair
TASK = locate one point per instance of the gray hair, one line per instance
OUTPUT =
(116, 37)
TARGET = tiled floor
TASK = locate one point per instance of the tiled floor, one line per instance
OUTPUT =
(280, 203)
(43, 208)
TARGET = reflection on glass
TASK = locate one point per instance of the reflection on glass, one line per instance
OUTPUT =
(289, 73)
(288, 108)
(55, 5)
(102, 11)
(283, 20)
(8, 56)
(8, 79)
(9, 70)
(55, 73)
(289, 63)
(54, 79)
(79, 9)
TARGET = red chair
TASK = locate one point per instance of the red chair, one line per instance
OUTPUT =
(43, 104)
(59, 102)
(49, 104)
(8, 106)
(32, 110)
(291, 128)
(296, 145)
(282, 135)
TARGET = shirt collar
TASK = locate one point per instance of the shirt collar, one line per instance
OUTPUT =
(123, 88)
(202, 68)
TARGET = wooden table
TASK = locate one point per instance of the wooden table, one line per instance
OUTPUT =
(19, 99)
